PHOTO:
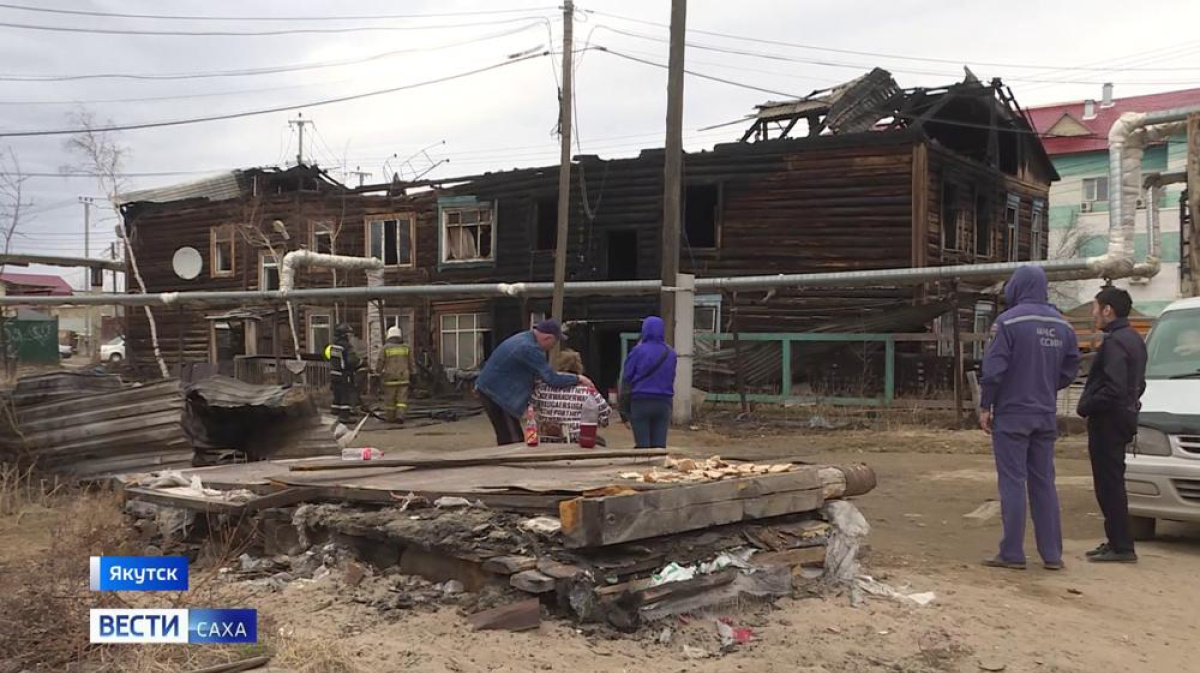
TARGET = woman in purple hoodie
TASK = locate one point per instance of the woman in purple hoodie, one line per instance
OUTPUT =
(649, 375)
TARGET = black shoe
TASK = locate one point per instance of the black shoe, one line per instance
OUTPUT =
(1102, 549)
(1110, 555)
(997, 562)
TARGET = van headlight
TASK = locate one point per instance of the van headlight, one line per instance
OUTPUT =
(1151, 442)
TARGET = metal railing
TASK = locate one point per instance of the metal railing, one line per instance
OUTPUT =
(266, 370)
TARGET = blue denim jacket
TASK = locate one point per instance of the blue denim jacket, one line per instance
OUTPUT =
(510, 373)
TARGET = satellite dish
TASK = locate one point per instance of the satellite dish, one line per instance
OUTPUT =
(187, 263)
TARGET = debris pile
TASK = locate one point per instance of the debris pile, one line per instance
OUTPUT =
(688, 470)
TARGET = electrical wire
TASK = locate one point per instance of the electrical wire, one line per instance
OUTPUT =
(272, 110)
(279, 19)
(269, 70)
(835, 50)
(263, 33)
(701, 75)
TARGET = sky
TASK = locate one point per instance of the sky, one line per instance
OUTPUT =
(465, 100)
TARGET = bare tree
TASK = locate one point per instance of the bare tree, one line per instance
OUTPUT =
(1069, 245)
(104, 157)
(12, 206)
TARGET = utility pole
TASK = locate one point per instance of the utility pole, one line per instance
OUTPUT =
(1193, 186)
(360, 174)
(89, 277)
(673, 167)
(299, 122)
(564, 168)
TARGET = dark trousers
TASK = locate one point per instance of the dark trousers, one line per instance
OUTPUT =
(650, 417)
(508, 429)
(1108, 435)
(1024, 449)
(343, 397)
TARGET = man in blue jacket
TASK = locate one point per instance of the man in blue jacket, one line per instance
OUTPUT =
(1032, 355)
(510, 373)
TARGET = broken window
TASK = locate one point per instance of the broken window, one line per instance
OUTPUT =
(1012, 218)
(390, 239)
(320, 332)
(1095, 190)
(268, 272)
(321, 237)
(221, 242)
(701, 214)
(546, 221)
(950, 217)
(983, 226)
(464, 337)
(468, 234)
(1038, 230)
(623, 255)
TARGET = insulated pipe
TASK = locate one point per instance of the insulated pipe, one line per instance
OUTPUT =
(305, 258)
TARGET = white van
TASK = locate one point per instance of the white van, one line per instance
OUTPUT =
(1162, 473)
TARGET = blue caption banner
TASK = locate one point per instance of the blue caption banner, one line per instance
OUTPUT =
(194, 627)
(139, 573)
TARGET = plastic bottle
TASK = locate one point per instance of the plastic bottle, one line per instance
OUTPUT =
(589, 418)
(367, 453)
(531, 428)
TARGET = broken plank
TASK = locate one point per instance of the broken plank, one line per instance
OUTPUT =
(532, 581)
(192, 502)
(471, 462)
(509, 565)
(794, 558)
(283, 498)
(687, 495)
(686, 587)
(521, 616)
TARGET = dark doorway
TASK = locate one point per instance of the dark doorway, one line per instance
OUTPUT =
(608, 348)
(622, 255)
(230, 337)
(546, 236)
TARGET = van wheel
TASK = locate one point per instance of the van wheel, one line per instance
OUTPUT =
(115, 358)
(1142, 527)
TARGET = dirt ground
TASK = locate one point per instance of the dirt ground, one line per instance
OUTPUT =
(1087, 618)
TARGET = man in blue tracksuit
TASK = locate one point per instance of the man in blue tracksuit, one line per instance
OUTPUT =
(1032, 355)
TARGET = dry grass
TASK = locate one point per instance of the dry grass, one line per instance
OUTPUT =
(23, 487)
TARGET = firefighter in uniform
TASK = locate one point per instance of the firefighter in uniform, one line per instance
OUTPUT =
(396, 373)
(343, 362)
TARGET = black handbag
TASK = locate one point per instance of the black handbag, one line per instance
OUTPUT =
(625, 396)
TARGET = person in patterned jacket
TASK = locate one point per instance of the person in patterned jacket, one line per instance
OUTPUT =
(559, 409)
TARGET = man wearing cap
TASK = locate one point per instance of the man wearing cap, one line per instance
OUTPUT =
(396, 372)
(508, 377)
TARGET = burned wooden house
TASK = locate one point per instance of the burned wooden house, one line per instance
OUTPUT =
(860, 177)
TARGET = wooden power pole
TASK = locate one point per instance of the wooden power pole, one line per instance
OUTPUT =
(1193, 186)
(564, 168)
(673, 166)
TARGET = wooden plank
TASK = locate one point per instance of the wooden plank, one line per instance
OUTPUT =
(520, 616)
(284, 498)
(532, 581)
(687, 587)
(795, 558)
(920, 204)
(689, 495)
(599, 527)
(470, 462)
(199, 504)
(509, 565)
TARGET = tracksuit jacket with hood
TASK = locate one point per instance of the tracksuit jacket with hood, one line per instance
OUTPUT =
(643, 357)
(1033, 352)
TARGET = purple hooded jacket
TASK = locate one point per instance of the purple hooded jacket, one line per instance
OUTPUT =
(642, 359)
(1033, 352)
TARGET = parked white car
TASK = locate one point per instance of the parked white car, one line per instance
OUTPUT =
(113, 351)
(1162, 473)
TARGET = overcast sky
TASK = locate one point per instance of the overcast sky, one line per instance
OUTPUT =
(504, 117)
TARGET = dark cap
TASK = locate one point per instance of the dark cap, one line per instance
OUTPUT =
(551, 327)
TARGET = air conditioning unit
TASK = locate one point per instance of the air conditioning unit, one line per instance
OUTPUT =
(1141, 204)
(1085, 207)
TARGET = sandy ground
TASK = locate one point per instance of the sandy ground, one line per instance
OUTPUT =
(1088, 618)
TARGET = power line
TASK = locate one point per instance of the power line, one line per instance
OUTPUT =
(269, 70)
(279, 19)
(835, 50)
(694, 73)
(263, 33)
(272, 110)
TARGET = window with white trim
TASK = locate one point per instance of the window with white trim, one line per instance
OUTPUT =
(463, 338)
(399, 317)
(468, 233)
(390, 239)
(268, 272)
(1012, 218)
(706, 314)
(1038, 230)
(320, 238)
(1095, 189)
(221, 251)
(320, 332)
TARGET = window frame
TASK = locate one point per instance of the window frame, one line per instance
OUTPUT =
(322, 228)
(536, 234)
(1090, 185)
(707, 302)
(1038, 230)
(456, 332)
(446, 207)
(718, 215)
(263, 265)
(383, 220)
(308, 328)
(1012, 228)
(216, 237)
(989, 239)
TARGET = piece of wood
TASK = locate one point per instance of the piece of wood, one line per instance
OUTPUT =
(521, 616)
(532, 581)
(470, 462)
(690, 587)
(235, 667)
(508, 565)
(284, 498)
(196, 503)
(805, 557)
(559, 571)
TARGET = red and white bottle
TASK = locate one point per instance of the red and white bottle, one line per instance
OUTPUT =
(589, 418)
(531, 427)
